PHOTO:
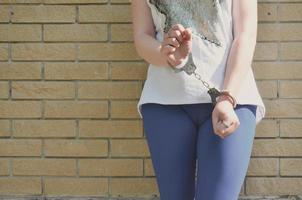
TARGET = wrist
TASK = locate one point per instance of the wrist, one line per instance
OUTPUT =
(224, 98)
(183, 63)
(227, 95)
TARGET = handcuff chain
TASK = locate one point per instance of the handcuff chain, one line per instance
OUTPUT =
(190, 69)
(198, 76)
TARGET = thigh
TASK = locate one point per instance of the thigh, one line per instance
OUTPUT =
(222, 163)
(171, 138)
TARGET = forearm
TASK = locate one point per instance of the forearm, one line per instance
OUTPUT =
(149, 49)
(239, 61)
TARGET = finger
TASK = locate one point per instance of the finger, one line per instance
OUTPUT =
(220, 128)
(220, 132)
(167, 49)
(177, 31)
(178, 27)
(173, 42)
(176, 34)
(233, 126)
(214, 123)
(222, 117)
(172, 60)
(187, 34)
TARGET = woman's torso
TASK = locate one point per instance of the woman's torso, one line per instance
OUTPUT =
(212, 27)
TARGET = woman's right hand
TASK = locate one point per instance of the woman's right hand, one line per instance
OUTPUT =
(177, 44)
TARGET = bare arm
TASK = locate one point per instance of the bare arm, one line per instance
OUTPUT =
(145, 42)
(243, 47)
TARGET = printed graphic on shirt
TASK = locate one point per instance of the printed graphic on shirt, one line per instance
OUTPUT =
(200, 15)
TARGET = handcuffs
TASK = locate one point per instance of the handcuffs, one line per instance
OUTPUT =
(189, 67)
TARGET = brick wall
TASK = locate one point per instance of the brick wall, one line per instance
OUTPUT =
(70, 80)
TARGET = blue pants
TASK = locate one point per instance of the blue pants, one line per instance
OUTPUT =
(181, 139)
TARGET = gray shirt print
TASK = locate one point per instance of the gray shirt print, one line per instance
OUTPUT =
(200, 15)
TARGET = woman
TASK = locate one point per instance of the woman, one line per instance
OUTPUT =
(191, 47)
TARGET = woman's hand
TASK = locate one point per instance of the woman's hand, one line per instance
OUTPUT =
(224, 115)
(177, 44)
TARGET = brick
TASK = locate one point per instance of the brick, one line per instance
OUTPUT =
(4, 13)
(20, 109)
(74, 1)
(4, 90)
(133, 186)
(120, 1)
(20, 186)
(124, 109)
(290, 128)
(110, 167)
(288, 89)
(20, 70)
(291, 51)
(108, 51)
(267, 12)
(290, 166)
(290, 31)
(263, 167)
(129, 147)
(43, 51)
(267, 128)
(3, 52)
(43, 13)
(290, 12)
(20, 147)
(109, 90)
(21, 1)
(121, 32)
(20, 32)
(42, 90)
(110, 128)
(75, 148)
(277, 147)
(44, 166)
(279, 31)
(104, 13)
(128, 70)
(273, 186)
(149, 168)
(267, 89)
(268, 32)
(76, 71)
(76, 109)
(277, 70)
(75, 32)
(44, 128)
(4, 128)
(283, 108)
(266, 51)
(75, 186)
(4, 167)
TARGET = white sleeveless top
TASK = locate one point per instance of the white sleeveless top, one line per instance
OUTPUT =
(211, 24)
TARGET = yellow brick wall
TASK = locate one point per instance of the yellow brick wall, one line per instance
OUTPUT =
(70, 80)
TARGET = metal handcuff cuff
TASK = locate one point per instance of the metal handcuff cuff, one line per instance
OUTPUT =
(190, 69)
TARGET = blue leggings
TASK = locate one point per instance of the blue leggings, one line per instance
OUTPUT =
(181, 139)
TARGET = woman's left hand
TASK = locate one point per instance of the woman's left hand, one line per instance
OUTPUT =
(222, 115)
